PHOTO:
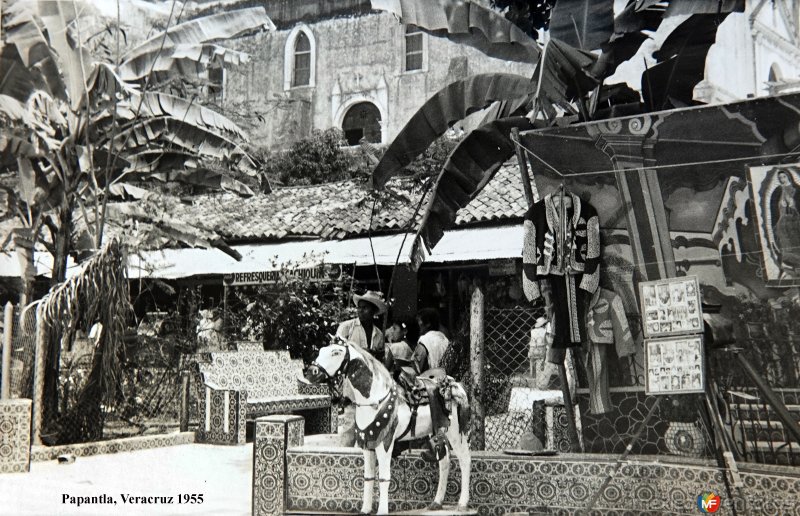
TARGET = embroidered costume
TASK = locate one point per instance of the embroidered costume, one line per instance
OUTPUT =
(573, 270)
(606, 324)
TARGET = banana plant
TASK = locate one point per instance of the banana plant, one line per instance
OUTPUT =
(78, 129)
(583, 45)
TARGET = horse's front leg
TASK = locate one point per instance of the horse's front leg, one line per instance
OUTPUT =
(369, 480)
(384, 476)
(441, 489)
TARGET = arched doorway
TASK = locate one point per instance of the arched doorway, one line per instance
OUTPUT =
(362, 120)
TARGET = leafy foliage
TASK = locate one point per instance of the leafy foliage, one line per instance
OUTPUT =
(295, 313)
(320, 158)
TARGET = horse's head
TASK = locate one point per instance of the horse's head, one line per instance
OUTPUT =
(330, 365)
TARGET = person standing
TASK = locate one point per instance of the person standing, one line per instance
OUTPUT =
(364, 333)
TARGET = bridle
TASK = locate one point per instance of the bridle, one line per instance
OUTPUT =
(335, 380)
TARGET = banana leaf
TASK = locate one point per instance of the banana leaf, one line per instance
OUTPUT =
(681, 63)
(677, 8)
(207, 29)
(182, 60)
(465, 23)
(627, 38)
(469, 167)
(563, 75)
(584, 24)
(449, 105)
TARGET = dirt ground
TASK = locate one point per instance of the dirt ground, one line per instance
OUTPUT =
(221, 474)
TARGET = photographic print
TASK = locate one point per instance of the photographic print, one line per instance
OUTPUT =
(776, 202)
(677, 301)
(681, 372)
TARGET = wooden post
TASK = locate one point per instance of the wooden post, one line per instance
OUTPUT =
(523, 167)
(5, 367)
(184, 416)
(40, 352)
(476, 334)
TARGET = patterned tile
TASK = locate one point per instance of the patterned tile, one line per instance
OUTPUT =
(273, 433)
(330, 480)
(15, 435)
(248, 384)
(145, 442)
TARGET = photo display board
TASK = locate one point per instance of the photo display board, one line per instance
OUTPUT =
(671, 307)
(675, 365)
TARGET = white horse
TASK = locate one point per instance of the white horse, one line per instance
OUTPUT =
(384, 415)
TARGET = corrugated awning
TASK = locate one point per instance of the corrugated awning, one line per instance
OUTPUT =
(461, 245)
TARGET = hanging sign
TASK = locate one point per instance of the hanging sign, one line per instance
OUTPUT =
(675, 365)
(503, 268)
(320, 273)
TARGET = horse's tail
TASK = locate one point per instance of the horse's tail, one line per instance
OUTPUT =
(459, 395)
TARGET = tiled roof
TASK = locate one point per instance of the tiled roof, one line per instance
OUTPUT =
(341, 210)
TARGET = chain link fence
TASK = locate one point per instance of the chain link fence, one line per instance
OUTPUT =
(508, 364)
(23, 344)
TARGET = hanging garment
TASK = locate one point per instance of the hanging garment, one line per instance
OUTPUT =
(606, 325)
(573, 270)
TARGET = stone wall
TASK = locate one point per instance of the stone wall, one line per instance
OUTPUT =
(357, 58)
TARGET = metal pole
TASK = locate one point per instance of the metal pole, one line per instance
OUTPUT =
(622, 457)
(476, 334)
(8, 336)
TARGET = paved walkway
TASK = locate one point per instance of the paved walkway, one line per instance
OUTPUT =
(222, 474)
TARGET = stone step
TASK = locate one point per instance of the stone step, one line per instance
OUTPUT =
(760, 407)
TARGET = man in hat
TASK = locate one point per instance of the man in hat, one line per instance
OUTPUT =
(362, 330)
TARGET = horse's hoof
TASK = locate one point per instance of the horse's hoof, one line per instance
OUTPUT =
(462, 508)
(435, 506)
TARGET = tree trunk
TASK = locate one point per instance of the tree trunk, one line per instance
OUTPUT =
(23, 244)
(54, 341)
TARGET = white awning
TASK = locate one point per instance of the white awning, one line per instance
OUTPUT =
(42, 260)
(495, 243)
(182, 263)
(459, 245)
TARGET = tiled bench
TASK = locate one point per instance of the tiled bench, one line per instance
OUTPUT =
(239, 386)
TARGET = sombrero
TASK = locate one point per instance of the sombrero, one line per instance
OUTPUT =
(375, 298)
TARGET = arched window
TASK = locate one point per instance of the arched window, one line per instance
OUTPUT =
(299, 58)
(415, 51)
(301, 75)
(362, 120)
